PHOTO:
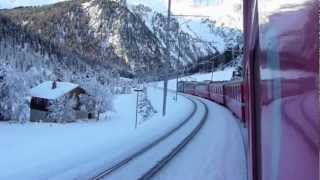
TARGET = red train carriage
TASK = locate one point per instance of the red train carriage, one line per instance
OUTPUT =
(202, 90)
(280, 91)
(233, 98)
(216, 92)
(282, 81)
(229, 94)
(189, 87)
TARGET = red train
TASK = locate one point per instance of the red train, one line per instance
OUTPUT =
(229, 94)
(280, 95)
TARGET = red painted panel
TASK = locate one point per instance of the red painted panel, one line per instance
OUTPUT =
(202, 90)
(189, 88)
(233, 98)
(284, 105)
(216, 92)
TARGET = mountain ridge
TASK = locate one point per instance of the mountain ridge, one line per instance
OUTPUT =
(111, 35)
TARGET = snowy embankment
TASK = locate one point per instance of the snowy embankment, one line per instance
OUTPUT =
(225, 75)
(140, 165)
(217, 152)
(68, 151)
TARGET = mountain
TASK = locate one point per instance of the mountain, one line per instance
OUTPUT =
(226, 13)
(103, 32)
(196, 38)
(109, 35)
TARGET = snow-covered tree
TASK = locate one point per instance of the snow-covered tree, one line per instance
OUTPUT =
(103, 101)
(145, 108)
(87, 103)
(13, 95)
(56, 110)
(103, 97)
(4, 98)
(62, 110)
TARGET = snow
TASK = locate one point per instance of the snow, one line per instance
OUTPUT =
(217, 152)
(45, 90)
(94, 13)
(138, 166)
(198, 29)
(223, 75)
(69, 151)
(83, 149)
(224, 12)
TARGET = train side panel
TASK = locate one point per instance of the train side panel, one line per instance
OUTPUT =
(285, 86)
(233, 98)
(202, 90)
(216, 92)
(189, 88)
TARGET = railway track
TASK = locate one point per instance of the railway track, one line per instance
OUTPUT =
(155, 169)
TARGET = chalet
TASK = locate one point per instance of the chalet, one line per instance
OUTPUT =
(43, 94)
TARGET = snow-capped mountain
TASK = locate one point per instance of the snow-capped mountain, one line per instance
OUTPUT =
(103, 32)
(224, 12)
(129, 40)
(209, 34)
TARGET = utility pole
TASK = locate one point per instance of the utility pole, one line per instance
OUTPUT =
(165, 83)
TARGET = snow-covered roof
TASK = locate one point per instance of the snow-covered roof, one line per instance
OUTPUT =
(45, 90)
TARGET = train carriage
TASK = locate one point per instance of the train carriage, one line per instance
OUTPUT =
(282, 81)
(202, 90)
(279, 97)
(233, 98)
(189, 87)
(217, 92)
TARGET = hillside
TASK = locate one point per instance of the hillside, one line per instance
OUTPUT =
(130, 41)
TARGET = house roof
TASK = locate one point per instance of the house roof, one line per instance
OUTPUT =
(45, 90)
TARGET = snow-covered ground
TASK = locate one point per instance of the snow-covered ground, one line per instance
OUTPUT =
(217, 152)
(224, 75)
(68, 151)
(83, 149)
(137, 167)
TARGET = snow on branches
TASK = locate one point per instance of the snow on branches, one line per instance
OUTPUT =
(100, 96)
(145, 108)
(62, 110)
(13, 95)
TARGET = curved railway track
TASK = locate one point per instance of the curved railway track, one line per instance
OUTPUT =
(157, 168)
(166, 159)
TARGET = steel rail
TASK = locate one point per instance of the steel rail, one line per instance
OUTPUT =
(157, 168)
(125, 161)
